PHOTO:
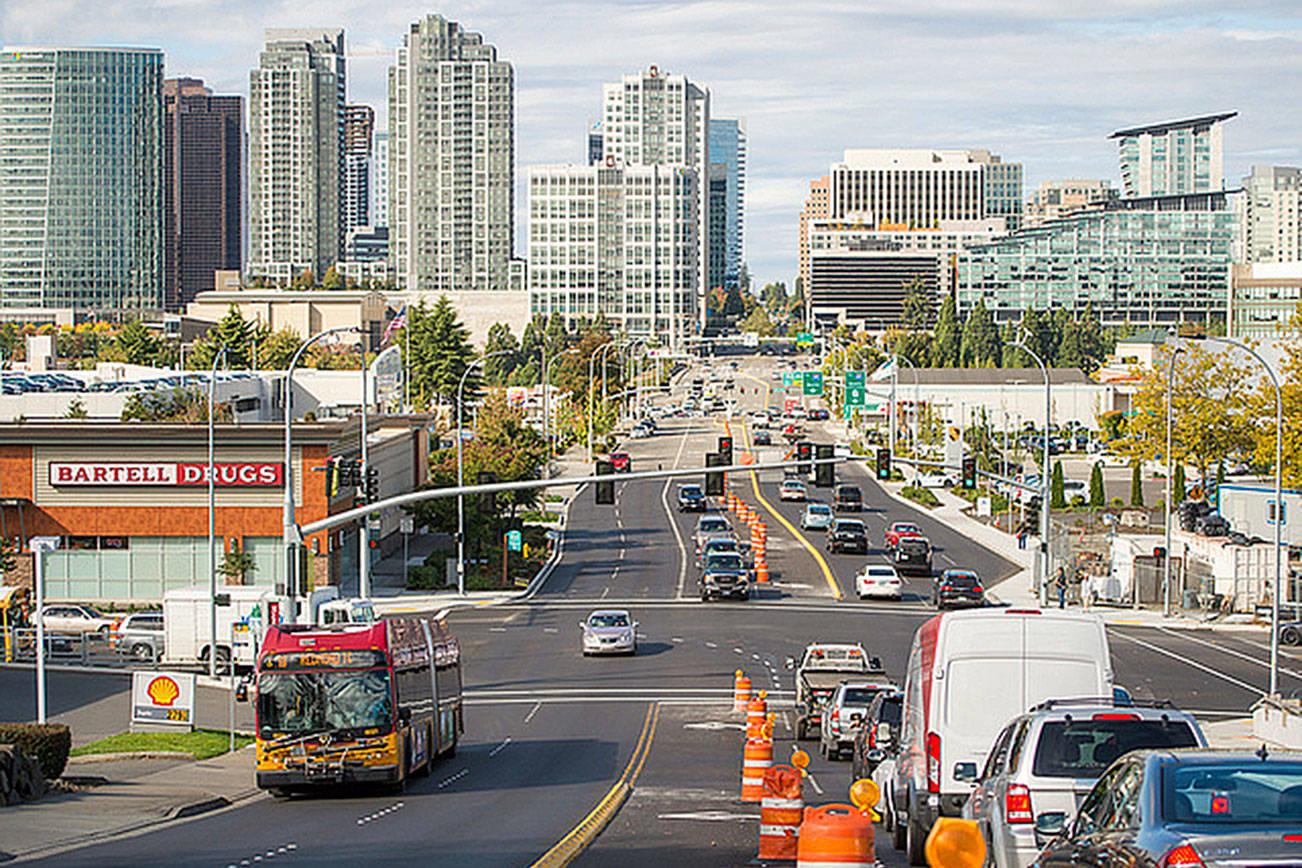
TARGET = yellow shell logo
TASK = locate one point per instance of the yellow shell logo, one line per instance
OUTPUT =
(163, 690)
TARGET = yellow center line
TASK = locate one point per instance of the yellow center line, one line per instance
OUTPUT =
(818, 556)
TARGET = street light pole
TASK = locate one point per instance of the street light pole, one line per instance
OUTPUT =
(1170, 470)
(916, 405)
(217, 359)
(461, 510)
(291, 539)
(364, 532)
(592, 360)
(1279, 508)
(1044, 472)
(547, 385)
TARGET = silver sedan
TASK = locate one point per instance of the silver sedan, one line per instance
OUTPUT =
(609, 631)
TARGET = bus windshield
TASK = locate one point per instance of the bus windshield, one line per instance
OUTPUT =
(305, 702)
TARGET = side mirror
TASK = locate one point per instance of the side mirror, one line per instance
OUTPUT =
(1048, 826)
(790, 663)
(965, 772)
(884, 734)
(875, 756)
(582, 625)
(242, 692)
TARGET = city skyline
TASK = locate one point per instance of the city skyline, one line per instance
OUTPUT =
(985, 81)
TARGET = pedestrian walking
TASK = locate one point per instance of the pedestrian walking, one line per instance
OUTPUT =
(1021, 536)
(1086, 591)
(1060, 582)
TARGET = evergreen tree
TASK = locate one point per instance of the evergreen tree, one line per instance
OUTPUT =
(305, 280)
(276, 349)
(135, 344)
(498, 370)
(235, 333)
(916, 308)
(949, 334)
(981, 345)
(1057, 493)
(449, 353)
(1178, 485)
(1097, 496)
(1136, 485)
(333, 280)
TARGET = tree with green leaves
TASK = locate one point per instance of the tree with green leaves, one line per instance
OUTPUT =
(304, 280)
(135, 344)
(8, 563)
(758, 321)
(235, 333)
(1097, 496)
(1057, 491)
(1178, 484)
(1136, 485)
(276, 349)
(498, 369)
(76, 410)
(236, 565)
(981, 345)
(333, 280)
(949, 335)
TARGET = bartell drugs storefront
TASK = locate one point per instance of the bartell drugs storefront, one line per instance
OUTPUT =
(129, 501)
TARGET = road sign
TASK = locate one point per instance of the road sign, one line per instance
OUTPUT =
(855, 396)
(162, 698)
(406, 524)
(513, 540)
(854, 378)
(804, 339)
(813, 383)
(786, 379)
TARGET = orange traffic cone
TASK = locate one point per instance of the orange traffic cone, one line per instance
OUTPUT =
(781, 808)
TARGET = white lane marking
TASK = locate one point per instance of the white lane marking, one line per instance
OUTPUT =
(738, 651)
(613, 574)
(673, 522)
(754, 656)
(497, 629)
(708, 701)
(711, 645)
(677, 640)
(621, 552)
(714, 725)
(361, 821)
(458, 776)
(708, 816)
(605, 592)
(1184, 634)
(550, 630)
(813, 782)
(528, 717)
(947, 559)
(495, 751)
(1194, 663)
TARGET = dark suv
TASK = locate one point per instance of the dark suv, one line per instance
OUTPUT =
(913, 556)
(691, 498)
(847, 536)
(877, 737)
(849, 498)
(957, 588)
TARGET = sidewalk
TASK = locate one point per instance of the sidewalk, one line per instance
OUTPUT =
(132, 796)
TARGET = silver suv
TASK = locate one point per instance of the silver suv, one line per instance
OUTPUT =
(140, 636)
(1046, 761)
(845, 712)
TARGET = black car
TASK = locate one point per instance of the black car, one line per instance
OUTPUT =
(847, 536)
(913, 556)
(691, 498)
(763, 438)
(724, 575)
(849, 498)
(878, 735)
(958, 588)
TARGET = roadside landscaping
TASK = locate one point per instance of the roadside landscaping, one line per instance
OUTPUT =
(201, 744)
(918, 494)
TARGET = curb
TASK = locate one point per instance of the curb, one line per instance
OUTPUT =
(572, 845)
(128, 755)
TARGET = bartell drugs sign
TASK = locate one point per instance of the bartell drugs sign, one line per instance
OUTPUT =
(164, 473)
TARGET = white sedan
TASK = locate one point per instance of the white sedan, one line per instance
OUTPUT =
(878, 581)
(936, 480)
(792, 489)
(609, 631)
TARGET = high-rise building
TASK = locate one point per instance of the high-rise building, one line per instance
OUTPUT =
(815, 209)
(1270, 215)
(654, 118)
(203, 148)
(918, 188)
(596, 144)
(1116, 257)
(359, 132)
(296, 131)
(1172, 158)
(1264, 299)
(380, 181)
(452, 152)
(619, 241)
(1059, 198)
(728, 148)
(81, 178)
(717, 272)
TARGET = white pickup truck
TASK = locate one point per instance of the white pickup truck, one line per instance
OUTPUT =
(823, 667)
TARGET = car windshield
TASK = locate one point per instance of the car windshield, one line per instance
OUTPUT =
(908, 528)
(850, 526)
(721, 545)
(792, 483)
(710, 525)
(1241, 792)
(849, 493)
(859, 696)
(608, 620)
(881, 573)
(724, 561)
(302, 702)
(1084, 748)
(690, 491)
(890, 711)
(820, 510)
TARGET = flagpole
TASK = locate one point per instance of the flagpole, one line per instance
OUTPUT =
(406, 368)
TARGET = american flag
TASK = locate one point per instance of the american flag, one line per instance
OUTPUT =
(398, 322)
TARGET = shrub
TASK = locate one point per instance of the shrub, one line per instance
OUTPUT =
(921, 495)
(48, 743)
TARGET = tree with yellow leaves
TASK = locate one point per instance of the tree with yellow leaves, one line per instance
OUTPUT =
(1262, 409)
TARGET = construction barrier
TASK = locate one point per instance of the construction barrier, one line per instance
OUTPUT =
(781, 808)
(955, 843)
(762, 572)
(740, 692)
(835, 836)
(756, 709)
(757, 758)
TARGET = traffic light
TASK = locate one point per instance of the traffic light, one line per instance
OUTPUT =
(725, 450)
(487, 500)
(804, 452)
(347, 472)
(332, 477)
(969, 472)
(605, 490)
(714, 481)
(372, 484)
(883, 463)
(824, 474)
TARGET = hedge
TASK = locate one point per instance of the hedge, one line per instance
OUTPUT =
(48, 743)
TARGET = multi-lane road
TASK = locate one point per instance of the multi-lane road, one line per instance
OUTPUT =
(549, 732)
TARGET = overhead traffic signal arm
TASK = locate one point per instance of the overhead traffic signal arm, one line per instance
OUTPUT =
(605, 491)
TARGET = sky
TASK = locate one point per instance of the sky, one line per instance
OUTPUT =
(1040, 82)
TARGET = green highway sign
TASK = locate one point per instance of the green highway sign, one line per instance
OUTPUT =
(804, 339)
(854, 378)
(855, 396)
(813, 383)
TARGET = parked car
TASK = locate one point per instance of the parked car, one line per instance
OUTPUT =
(847, 536)
(913, 556)
(622, 463)
(1186, 808)
(691, 498)
(608, 631)
(849, 498)
(845, 712)
(877, 581)
(75, 618)
(817, 516)
(1044, 763)
(983, 667)
(792, 489)
(957, 588)
(139, 635)
(937, 480)
(1291, 633)
(899, 530)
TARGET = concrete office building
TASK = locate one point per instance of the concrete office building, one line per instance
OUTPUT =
(1142, 262)
(918, 188)
(728, 149)
(296, 127)
(452, 160)
(203, 144)
(816, 208)
(379, 177)
(1059, 198)
(620, 241)
(1173, 158)
(864, 283)
(654, 118)
(1270, 215)
(359, 132)
(81, 178)
(1264, 299)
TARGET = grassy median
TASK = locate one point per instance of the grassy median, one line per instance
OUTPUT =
(201, 744)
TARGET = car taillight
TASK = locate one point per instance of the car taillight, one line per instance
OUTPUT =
(1114, 716)
(978, 589)
(1017, 804)
(946, 588)
(933, 762)
(1185, 854)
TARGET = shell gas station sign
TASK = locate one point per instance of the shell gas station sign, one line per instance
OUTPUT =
(165, 698)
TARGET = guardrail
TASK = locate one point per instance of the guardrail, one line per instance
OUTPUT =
(18, 645)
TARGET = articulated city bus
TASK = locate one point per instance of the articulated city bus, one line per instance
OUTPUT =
(353, 703)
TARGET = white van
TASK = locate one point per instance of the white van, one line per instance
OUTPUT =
(970, 673)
